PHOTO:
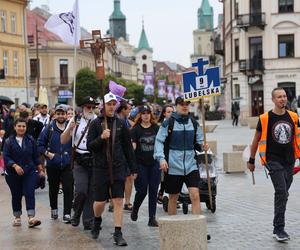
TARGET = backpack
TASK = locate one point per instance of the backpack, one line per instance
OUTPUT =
(170, 131)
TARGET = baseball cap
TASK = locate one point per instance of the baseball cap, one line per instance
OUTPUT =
(180, 100)
(144, 108)
(60, 108)
(110, 97)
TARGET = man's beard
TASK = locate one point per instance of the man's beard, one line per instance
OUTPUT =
(88, 115)
(61, 121)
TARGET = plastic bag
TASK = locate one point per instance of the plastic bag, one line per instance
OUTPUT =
(246, 154)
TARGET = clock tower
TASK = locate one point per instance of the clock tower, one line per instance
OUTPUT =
(117, 22)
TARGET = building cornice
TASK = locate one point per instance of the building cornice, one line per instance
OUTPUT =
(12, 44)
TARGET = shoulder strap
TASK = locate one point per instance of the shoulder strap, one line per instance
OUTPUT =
(195, 125)
(85, 129)
(171, 121)
(50, 135)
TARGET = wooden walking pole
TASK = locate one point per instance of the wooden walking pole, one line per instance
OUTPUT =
(205, 151)
(98, 44)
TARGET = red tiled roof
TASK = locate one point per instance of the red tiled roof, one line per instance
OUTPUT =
(44, 35)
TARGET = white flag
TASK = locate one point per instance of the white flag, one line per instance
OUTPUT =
(66, 25)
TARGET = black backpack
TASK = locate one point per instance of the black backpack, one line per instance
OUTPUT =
(170, 131)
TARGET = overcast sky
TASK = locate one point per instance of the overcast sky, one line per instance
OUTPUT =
(169, 24)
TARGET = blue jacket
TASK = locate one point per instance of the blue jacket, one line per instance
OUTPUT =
(27, 156)
(181, 148)
(50, 141)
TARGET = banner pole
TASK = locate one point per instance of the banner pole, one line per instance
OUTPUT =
(205, 151)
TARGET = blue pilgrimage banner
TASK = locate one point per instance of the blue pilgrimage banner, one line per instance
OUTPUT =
(204, 84)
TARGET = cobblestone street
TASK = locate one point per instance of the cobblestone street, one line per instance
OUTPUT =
(243, 219)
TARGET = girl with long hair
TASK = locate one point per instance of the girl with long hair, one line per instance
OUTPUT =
(143, 136)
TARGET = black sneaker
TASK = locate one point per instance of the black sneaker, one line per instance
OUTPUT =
(134, 214)
(119, 240)
(152, 222)
(95, 231)
(54, 214)
(280, 235)
(67, 219)
(110, 208)
(128, 207)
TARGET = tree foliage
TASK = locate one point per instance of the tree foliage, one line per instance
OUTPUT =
(86, 84)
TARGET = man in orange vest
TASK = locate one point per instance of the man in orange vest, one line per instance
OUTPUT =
(277, 138)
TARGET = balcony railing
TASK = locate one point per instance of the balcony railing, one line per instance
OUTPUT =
(251, 65)
(253, 19)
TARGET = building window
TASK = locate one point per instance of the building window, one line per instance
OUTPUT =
(236, 10)
(63, 68)
(285, 6)
(13, 23)
(3, 20)
(15, 57)
(285, 46)
(5, 62)
(144, 68)
(33, 68)
(144, 57)
(236, 50)
(237, 92)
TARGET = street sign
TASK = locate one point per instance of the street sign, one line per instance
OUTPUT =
(201, 85)
(65, 94)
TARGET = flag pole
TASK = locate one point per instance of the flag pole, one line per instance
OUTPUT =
(74, 80)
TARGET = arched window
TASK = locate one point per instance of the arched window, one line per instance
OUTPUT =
(144, 68)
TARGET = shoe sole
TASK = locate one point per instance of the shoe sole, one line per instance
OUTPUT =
(121, 245)
(280, 239)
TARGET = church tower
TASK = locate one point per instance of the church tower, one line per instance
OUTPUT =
(143, 55)
(203, 35)
(117, 22)
(205, 16)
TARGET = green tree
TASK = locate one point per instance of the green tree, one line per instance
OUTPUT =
(86, 84)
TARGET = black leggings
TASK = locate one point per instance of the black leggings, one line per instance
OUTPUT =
(55, 177)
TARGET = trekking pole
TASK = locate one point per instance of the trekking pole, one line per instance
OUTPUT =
(253, 178)
(205, 153)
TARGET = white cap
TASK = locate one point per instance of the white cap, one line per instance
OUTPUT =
(109, 97)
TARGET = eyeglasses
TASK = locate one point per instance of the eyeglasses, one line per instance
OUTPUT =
(89, 107)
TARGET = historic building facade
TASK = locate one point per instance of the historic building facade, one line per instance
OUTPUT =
(13, 80)
(261, 52)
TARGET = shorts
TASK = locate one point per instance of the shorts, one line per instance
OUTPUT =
(173, 183)
(104, 191)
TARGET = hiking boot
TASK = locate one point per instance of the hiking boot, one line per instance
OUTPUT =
(95, 231)
(118, 239)
(280, 235)
(54, 214)
(67, 218)
(152, 222)
(134, 214)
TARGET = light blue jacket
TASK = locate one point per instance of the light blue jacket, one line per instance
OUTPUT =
(181, 148)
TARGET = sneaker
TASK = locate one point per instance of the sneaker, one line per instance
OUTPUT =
(134, 214)
(60, 191)
(280, 235)
(152, 222)
(118, 239)
(159, 199)
(54, 214)
(128, 207)
(111, 208)
(32, 222)
(17, 222)
(67, 218)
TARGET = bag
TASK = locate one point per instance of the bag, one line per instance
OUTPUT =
(246, 153)
(84, 160)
